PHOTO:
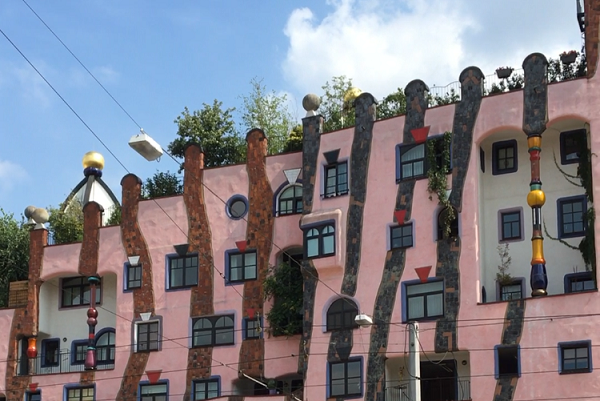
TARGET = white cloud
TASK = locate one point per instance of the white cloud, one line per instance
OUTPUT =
(106, 74)
(383, 45)
(11, 174)
(32, 86)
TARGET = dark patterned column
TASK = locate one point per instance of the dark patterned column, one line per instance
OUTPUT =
(535, 117)
(592, 35)
(312, 128)
(259, 236)
(143, 297)
(25, 320)
(448, 249)
(199, 235)
(416, 105)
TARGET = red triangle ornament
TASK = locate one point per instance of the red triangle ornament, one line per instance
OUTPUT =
(250, 313)
(241, 245)
(153, 376)
(423, 273)
(420, 134)
(400, 215)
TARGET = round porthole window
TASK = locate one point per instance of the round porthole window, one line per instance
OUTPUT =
(237, 207)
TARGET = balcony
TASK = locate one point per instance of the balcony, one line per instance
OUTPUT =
(433, 390)
(63, 363)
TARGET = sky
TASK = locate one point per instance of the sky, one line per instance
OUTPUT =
(156, 57)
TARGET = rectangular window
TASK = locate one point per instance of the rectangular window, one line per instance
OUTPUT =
(154, 392)
(50, 352)
(252, 328)
(575, 357)
(80, 394)
(336, 179)
(504, 157)
(571, 216)
(213, 330)
(205, 389)
(572, 143)
(345, 378)
(183, 271)
(32, 396)
(76, 292)
(319, 241)
(412, 160)
(134, 276)
(148, 335)
(401, 236)
(510, 225)
(507, 361)
(577, 282)
(242, 267)
(79, 349)
(510, 291)
(424, 301)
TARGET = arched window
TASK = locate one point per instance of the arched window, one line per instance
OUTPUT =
(443, 221)
(320, 241)
(290, 200)
(105, 347)
(341, 315)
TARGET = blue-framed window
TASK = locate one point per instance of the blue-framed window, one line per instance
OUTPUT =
(204, 389)
(412, 159)
(78, 351)
(345, 378)
(133, 276)
(504, 157)
(182, 271)
(80, 393)
(571, 216)
(572, 143)
(319, 240)
(252, 328)
(147, 335)
(336, 179)
(289, 200)
(154, 392)
(236, 207)
(50, 352)
(105, 346)
(33, 395)
(401, 236)
(76, 292)
(577, 282)
(341, 315)
(422, 301)
(213, 331)
(241, 266)
(507, 361)
(575, 357)
(511, 223)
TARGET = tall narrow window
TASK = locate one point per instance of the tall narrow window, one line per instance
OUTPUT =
(148, 335)
(401, 236)
(134, 276)
(571, 216)
(345, 378)
(424, 300)
(336, 179)
(205, 389)
(511, 225)
(183, 271)
(242, 266)
(50, 352)
(572, 143)
(504, 157)
(412, 161)
(105, 347)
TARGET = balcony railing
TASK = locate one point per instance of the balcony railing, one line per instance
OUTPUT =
(433, 390)
(63, 363)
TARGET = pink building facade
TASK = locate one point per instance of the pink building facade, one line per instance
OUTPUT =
(181, 309)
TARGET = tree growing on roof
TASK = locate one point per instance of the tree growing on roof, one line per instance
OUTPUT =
(14, 253)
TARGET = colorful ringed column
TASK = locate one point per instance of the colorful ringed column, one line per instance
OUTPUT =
(536, 199)
(92, 314)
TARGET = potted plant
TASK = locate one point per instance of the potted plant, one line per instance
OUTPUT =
(503, 276)
(504, 72)
(568, 57)
(272, 386)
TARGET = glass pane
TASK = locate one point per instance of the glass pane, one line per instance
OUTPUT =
(354, 385)
(250, 259)
(567, 208)
(250, 272)
(416, 152)
(353, 369)
(569, 353)
(235, 260)
(337, 387)
(416, 308)
(582, 363)
(191, 275)
(235, 274)
(224, 336)
(312, 247)
(435, 305)
(427, 287)
(176, 278)
(237, 208)
(328, 245)
(337, 370)
(581, 352)
(202, 338)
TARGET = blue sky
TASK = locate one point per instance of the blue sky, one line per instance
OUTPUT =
(157, 57)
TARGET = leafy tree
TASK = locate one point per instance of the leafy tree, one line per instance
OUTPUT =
(284, 286)
(115, 216)
(294, 141)
(392, 105)
(66, 222)
(337, 113)
(448, 98)
(14, 253)
(214, 129)
(269, 112)
(162, 184)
